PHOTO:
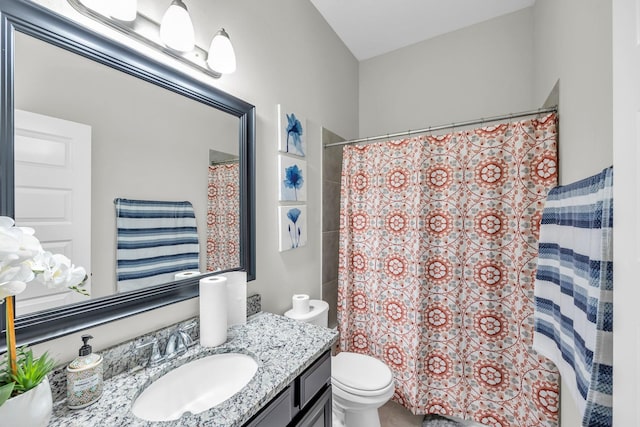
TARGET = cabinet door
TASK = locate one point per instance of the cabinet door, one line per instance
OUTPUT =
(277, 413)
(314, 379)
(319, 415)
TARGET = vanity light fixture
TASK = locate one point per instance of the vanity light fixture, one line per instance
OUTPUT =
(221, 56)
(124, 10)
(176, 28)
(175, 36)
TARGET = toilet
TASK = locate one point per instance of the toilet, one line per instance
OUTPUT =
(360, 383)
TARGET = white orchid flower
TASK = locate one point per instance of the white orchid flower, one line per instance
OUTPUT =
(9, 289)
(21, 273)
(22, 260)
(56, 271)
(17, 244)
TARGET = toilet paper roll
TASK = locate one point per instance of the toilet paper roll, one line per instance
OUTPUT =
(186, 274)
(300, 303)
(213, 311)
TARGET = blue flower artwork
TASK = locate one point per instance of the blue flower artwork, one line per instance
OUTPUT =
(294, 135)
(292, 179)
(293, 228)
(291, 132)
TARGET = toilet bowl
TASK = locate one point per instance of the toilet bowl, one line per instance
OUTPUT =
(360, 383)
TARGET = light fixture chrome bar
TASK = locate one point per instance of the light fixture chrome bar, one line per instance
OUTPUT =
(147, 31)
(481, 121)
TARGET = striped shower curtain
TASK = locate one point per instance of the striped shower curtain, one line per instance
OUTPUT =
(223, 213)
(438, 245)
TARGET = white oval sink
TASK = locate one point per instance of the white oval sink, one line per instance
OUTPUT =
(195, 387)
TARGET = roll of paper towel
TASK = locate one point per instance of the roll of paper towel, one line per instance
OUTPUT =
(213, 311)
(300, 303)
(186, 274)
(236, 297)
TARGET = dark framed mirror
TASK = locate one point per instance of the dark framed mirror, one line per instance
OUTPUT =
(190, 101)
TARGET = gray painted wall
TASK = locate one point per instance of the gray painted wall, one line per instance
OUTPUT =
(480, 71)
(573, 45)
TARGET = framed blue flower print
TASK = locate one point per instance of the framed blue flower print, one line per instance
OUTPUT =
(293, 227)
(291, 132)
(292, 178)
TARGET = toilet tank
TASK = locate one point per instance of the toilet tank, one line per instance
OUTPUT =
(318, 313)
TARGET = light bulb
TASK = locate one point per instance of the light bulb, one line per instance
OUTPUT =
(124, 10)
(176, 29)
(221, 57)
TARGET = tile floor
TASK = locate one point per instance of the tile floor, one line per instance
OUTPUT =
(394, 415)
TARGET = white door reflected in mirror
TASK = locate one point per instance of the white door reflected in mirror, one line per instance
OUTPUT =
(53, 196)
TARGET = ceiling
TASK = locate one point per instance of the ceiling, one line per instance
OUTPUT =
(373, 27)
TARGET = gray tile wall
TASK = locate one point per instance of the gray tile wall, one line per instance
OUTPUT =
(331, 174)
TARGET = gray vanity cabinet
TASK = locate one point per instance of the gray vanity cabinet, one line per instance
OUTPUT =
(319, 414)
(306, 402)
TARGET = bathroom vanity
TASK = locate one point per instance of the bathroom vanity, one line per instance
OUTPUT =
(292, 385)
(305, 402)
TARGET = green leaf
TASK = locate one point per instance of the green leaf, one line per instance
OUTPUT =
(5, 392)
(30, 372)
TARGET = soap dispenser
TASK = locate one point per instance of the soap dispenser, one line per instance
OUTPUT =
(84, 377)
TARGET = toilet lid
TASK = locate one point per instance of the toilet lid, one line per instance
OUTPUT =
(360, 372)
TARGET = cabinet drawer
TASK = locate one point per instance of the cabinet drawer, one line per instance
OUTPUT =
(277, 413)
(313, 379)
(319, 415)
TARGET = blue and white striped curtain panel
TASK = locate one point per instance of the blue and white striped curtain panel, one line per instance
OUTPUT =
(574, 292)
(156, 240)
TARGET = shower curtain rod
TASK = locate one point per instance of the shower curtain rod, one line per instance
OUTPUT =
(447, 126)
(224, 162)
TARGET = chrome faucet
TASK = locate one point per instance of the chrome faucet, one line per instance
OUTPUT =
(156, 357)
(178, 343)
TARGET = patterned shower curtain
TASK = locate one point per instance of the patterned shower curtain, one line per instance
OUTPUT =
(438, 246)
(223, 210)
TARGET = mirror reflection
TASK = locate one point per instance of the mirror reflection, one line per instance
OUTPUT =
(88, 136)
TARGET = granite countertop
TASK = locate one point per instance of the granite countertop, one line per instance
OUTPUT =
(283, 348)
